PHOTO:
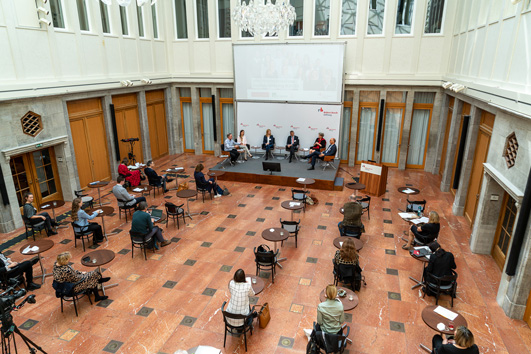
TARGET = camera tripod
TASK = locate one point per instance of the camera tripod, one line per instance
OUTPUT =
(131, 154)
(8, 337)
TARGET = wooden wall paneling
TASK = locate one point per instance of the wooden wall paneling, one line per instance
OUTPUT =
(95, 128)
(128, 124)
(82, 151)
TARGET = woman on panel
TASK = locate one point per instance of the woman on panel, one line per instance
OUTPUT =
(347, 254)
(268, 144)
(133, 177)
(425, 233)
(320, 143)
(64, 273)
(242, 141)
(240, 291)
(462, 342)
(81, 221)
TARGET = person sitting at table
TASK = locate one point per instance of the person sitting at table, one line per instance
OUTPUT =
(64, 273)
(154, 178)
(210, 184)
(142, 224)
(316, 154)
(425, 233)
(13, 269)
(30, 213)
(242, 141)
(292, 144)
(121, 193)
(461, 343)
(240, 291)
(440, 264)
(133, 177)
(330, 314)
(347, 254)
(231, 147)
(352, 211)
(81, 219)
(268, 144)
(320, 143)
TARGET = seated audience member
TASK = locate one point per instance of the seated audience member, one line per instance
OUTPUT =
(425, 233)
(268, 144)
(154, 178)
(292, 144)
(347, 254)
(81, 219)
(461, 343)
(240, 291)
(242, 141)
(14, 269)
(121, 193)
(143, 224)
(64, 273)
(133, 177)
(441, 262)
(231, 147)
(316, 154)
(210, 184)
(320, 143)
(330, 314)
(31, 214)
(352, 211)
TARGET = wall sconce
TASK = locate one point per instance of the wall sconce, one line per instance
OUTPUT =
(457, 88)
(43, 10)
(45, 21)
(126, 83)
(447, 84)
(146, 81)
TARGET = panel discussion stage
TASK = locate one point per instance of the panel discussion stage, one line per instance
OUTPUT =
(251, 171)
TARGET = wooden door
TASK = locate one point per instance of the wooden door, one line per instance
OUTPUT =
(446, 134)
(465, 112)
(128, 124)
(480, 156)
(527, 313)
(504, 231)
(156, 113)
(367, 129)
(90, 143)
(36, 173)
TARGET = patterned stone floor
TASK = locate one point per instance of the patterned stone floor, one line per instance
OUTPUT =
(172, 301)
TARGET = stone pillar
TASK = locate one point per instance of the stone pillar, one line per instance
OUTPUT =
(468, 161)
(451, 148)
(196, 121)
(440, 133)
(219, 128)
(354, 128)
(173, 120)
(114, 159)
(404, 142)
(10, 217)
(69, 179)
(144, 126)
(432, 156)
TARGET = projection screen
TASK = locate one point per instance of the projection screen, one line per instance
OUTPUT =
(289, 72)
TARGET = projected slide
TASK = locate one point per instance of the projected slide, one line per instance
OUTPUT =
(289, 72)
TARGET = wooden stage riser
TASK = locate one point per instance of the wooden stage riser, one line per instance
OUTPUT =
(276, 180)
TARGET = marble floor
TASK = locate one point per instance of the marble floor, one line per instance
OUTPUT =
(172, 301)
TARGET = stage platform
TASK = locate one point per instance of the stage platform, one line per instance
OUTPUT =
(251, 172)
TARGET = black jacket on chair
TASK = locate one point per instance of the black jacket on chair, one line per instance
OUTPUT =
(441, 263)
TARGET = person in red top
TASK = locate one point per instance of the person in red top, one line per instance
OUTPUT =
(320, 143)
(134, 177)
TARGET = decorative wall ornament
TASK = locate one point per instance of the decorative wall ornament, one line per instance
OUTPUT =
(511, 150)
(127, 2)
(31, 124)
(259, 18)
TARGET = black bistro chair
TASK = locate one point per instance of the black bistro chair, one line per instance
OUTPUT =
(247, 325)
(326, 342)
(366, 205)
(265, 260)
(351, 231)
(292, 227)
(441, 285)
(126, 209)
(299, 195)
(156, 184)
(141, 241)
(65, 291)
(174, 211)
(86, 200)
(83, 233)
(202, 188)
(348, 274)
(33, 227)
(414, 205)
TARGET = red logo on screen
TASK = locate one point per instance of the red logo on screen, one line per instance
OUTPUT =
(293, 127)
(320, 109)
(331, 129)
(312, 128)
(277, 126)
(260, 126)
(244, 125)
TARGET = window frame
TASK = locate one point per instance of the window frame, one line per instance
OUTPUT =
(196, 22)
(89, 30)
(155, 24)
(411, 33)
(176, 36)
(355, 22)
(314, 20)
(218, 22)
(109, 23)
(443, 19)
(140, 16)
(303, 26)
(126, 14)
(383, 22)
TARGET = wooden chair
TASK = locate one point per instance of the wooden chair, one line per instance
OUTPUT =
(65, 291)
(141, 241)
(125, 208)
(39, 226)
(266, 260)
(173, 211)
(292, 227)
(441, 285)
(366, 205)
(247, 325)
(328, 161)
(83, 233)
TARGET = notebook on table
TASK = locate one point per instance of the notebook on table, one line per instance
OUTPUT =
(156, 214)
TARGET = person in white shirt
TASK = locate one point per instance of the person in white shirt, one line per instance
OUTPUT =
(242, 140)
(231, 147)
(240, 291)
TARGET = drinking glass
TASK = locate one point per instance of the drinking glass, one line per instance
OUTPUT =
(451, 326)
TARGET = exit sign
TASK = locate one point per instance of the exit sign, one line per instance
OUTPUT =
(38, 145)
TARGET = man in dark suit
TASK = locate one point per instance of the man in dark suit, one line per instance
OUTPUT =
(154, 178)
(330, 151)
(13, 269)
(292, 144)
(441, 262)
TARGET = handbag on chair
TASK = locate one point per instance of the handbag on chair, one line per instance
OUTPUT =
(264, 316)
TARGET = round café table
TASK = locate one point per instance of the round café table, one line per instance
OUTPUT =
(53, 204)
(280, 148)
(276, 235)
(215, 174)
(98, 185)
(105, 211)
(402, 189)
(207, 347)
(292, 205)
(145, 189)
(43, 245)
(305, 182)
(432, 319)
(161, 219)
(175, 171)
(355, 187)
(187, 194)
(255, 148)
(424, 261)
(357, 242)
(97, 259)
(347, 303)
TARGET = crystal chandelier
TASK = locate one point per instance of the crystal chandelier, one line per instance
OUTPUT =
(260, 19)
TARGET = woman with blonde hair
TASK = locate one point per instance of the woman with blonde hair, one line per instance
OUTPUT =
(242, 141)
(330, 313)
(81, 221)
(461, 343)
(425, 233)
(268, 144)
(64, 273)
(347, 254)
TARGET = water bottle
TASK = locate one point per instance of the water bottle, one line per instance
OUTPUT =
(419, 211)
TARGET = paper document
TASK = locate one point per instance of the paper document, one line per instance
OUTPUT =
(422, 220)
(138, 190)
(132, 167)
(444, 312)
(206, 350)
(422, 248)
(95, 182)
(99, 211)
(248, 279)
(408, 191)
(427, 256)
(30, 249)
(407, 215)
(301, 179)
(45, 206)
(340, 244)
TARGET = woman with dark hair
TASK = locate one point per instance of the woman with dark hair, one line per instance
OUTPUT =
(242, 141)
(30, 213)
(132, 177)
(461, 343)
(200, 180)
(268, 144)
(240, 291)
(347, 254)
(81, 221)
